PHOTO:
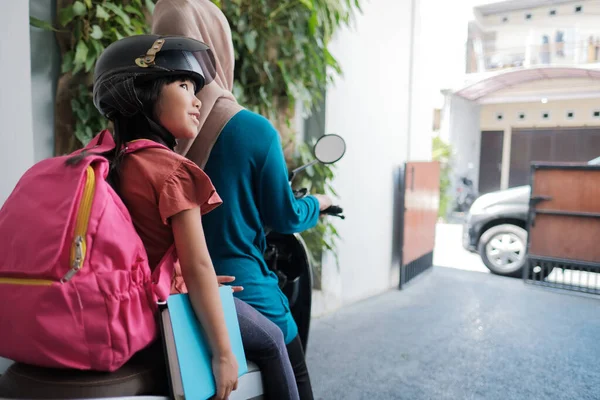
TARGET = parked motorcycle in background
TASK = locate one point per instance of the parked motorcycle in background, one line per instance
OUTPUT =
(465, 194)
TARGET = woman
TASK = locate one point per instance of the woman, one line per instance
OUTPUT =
(241, 152)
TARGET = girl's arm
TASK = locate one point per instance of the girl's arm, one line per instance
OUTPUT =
(201, 281)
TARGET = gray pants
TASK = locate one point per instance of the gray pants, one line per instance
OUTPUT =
(264, 345)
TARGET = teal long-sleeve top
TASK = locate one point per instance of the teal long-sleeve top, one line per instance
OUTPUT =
(248, 169)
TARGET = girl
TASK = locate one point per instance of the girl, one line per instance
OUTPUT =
(146, 85)
(253, 183)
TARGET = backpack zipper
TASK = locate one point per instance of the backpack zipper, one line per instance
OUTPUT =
(78, 247)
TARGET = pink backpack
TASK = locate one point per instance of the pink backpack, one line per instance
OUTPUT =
(76, 289)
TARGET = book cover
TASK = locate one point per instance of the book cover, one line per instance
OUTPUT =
(191, 368)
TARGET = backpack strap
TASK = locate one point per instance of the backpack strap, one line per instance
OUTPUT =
(101, 143)
(163, 275)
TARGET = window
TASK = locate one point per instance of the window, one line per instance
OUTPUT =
(499, 116)
(570, 115)
(596, 113)
(552, 12)
(578, 9)
(546, 115)
(528, 16)
(521, 116)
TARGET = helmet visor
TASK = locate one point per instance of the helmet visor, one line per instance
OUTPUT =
(200, 65)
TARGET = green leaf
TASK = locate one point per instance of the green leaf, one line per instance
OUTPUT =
(89, 134)
(98, 48)
(150, 6)
(38, 23)
(76, 68)
(81, 52)
(101, 13)
(89, 63)
(313, 22)
(267, 69)
(96, 32)
(79, 8)
(132, 10)
(308, 4)
(65, 16)
(250, 40)
(88, 3)
(129, 31)
(75, 105)
(119, 12)
(67, 62)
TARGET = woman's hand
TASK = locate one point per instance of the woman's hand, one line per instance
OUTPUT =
(225, 370)
(324, 201)
(221, 279)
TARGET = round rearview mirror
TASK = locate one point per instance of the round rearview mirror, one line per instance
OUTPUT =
(329, 149)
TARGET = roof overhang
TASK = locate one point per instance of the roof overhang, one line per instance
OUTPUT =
(478, 90)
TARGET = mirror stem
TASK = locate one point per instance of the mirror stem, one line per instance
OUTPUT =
(302, 168)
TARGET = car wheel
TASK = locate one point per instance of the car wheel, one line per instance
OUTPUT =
(502, 249)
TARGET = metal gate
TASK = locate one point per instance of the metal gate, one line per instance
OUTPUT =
(418, 204)
(564, 227)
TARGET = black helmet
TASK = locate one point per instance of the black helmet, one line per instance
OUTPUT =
(145, 57)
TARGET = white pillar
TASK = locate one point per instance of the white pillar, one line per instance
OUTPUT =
(16, 135)
(505, 174)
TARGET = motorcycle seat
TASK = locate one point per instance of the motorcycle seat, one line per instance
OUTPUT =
(144, 374)
(137, 380)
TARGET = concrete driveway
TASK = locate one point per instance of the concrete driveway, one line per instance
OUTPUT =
(455, 334)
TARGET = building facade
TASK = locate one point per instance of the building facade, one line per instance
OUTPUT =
(531, 91)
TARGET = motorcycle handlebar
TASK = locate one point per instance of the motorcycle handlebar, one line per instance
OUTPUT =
(335, 211)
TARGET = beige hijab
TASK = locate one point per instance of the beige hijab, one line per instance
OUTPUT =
(202, 20)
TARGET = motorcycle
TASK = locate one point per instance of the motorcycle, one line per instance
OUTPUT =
(286, 255)
(466, 194)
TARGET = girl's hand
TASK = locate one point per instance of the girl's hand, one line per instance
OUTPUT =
(225, 370)
(221, 279)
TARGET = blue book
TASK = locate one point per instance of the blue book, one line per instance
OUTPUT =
(187, 351)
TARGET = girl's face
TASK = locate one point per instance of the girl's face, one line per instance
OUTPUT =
(178, 109)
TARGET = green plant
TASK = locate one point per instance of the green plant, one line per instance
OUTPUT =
(442, 152)
(282, 58)
(317, 179)
(282, 51)
(84, 28)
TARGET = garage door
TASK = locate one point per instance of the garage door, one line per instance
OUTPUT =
(550, 145)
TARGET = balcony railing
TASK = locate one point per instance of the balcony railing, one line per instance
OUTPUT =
(550, 54)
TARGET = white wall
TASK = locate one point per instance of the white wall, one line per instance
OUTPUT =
(16, 135)
(422, 101)
(465, 138)
(582, 109)
(45, 69)
(368, 107)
